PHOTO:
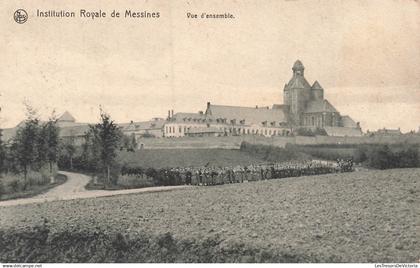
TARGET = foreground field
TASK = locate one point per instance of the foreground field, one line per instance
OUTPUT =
(367, 216)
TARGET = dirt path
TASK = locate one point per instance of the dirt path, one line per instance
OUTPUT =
(74, 188)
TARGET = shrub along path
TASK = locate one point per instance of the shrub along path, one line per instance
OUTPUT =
(74, 188)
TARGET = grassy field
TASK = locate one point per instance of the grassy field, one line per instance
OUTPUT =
(162, 158)
(367, 216)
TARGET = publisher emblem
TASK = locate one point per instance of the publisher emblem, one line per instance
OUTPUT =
(20, 16)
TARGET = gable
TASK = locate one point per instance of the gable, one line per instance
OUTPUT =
(298, 82)
(66, 117)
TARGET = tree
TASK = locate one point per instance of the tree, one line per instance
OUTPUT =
(90, 157)
(26, 146)
(106, 139)
(134, 143)
(49, 143)
(12, 163)
(381, 156)
(35, 144)
(70, 151)
(128, 143)
(2, 153)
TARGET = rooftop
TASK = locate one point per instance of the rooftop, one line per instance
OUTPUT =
(66, 117)
(317, 106)
(249, 115)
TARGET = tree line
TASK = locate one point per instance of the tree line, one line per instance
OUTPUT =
(37, 145)
(383, 156)
(34, 146)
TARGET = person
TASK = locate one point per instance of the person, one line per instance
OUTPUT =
(188, 176)
(231, 175)
(272, 173)
(200, 177)
(246, 174)
(206, 176)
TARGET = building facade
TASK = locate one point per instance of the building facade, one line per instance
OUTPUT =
(304, 107)
(221, 120)
(145, 129)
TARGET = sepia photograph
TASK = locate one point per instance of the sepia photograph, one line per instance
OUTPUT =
(222, 132)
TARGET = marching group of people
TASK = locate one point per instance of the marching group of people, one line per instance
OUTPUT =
(208, 175)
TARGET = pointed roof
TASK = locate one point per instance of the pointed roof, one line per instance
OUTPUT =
(298, 66)
(316, 85)
(66, 117)
(298, 82)
(347, 121)
(318, 106)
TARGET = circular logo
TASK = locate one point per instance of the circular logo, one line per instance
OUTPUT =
(20, 16)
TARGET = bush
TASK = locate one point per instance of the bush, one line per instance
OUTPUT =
(135, 181)
(304, 132)
(2, 189)
(147, 135)
(14, 185)
(323, 152)
(37, 178)
(273, 154)
(387, 156)
(320, 132)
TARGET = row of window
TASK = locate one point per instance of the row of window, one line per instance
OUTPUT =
(319, 121)
(269, 132)
(233, 121)
(266, 132)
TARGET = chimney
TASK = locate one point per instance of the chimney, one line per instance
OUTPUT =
(208, 105)
(172, 113)
(256, 106)
(169, 114)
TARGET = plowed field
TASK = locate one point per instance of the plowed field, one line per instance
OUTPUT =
(369, 216)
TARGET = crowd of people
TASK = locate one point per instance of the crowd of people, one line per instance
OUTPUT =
(209, 175)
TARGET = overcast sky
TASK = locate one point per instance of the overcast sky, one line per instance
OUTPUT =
(366, 55)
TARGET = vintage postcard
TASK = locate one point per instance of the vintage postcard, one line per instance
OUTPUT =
(192, 131)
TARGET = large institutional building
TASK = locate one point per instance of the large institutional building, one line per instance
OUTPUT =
(304, 107)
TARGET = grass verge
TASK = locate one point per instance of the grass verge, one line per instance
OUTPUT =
(35, 190)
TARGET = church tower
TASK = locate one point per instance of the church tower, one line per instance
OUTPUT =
(297, 93)
(317, 91)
